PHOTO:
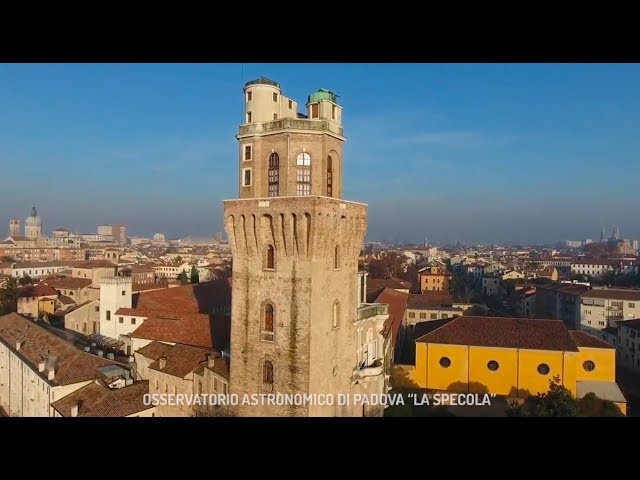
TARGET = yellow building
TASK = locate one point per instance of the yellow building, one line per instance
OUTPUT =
(37, 300)
(515, 357)
(434, 279)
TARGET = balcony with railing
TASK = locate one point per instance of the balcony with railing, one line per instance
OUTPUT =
(291, 124)
(369, 371)
(372, 310)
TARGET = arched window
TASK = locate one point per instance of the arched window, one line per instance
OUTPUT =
(271, 257)
(274, 175)
(329, 177)
(303, 174)
(336, 257)
(267, 376)
(335, 315)
(268, 318)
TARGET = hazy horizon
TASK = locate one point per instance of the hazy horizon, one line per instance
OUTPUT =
(472, 153)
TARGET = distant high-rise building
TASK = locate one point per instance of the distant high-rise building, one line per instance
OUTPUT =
(158, 237)
(14, 227)
(119, 233)
(105, 230)
(634, 244)
(616, 233)
(219, 237)
(33, 225)
(602, 236)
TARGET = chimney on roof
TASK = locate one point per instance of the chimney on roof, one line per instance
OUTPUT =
(41, 366)
(51, 373)
(74, 409)
(18, 344)
(163, 362)
(211, 360)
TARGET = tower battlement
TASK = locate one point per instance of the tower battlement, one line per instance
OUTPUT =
(116, 280)
(305, 228)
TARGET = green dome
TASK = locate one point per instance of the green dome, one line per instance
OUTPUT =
(323, 94)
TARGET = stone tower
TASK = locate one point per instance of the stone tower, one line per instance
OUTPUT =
(295, 246)
(33, 225)
(14, 227)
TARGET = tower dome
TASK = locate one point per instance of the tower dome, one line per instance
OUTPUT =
(33, 220)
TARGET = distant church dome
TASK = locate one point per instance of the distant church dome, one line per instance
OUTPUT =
(34, 219)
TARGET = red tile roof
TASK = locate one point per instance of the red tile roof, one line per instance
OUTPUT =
(70, 283)
(71, 364)
(531, 334)
(181, 360)
(154, 350)
(429, 299)
(188, 329)
(98, 400)
(397, 302)
(613, 294)
(40, 289)
(129, 311)
(95, 264)
(583, 339)
(392, 282)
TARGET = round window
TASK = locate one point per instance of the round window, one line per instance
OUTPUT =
(493, 365)
(445, 362)
(589, 366)
(543, 369)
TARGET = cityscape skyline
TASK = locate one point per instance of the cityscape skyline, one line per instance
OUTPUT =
(519, 153)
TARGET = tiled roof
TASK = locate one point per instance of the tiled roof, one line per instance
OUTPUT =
(181, 360)
(55, 263)
(154, 350)
(504, 332)
(40, 289)
(392, 282)
(613, 294)
(191, 298)
(95, 264)
(129, 311)
(220, 367)
(141, 287)
(189, 329)
(71, 364)
(98, 400)
(63, 299)
(429, 299)
(397, 302)
(70, 283)
(583, 339)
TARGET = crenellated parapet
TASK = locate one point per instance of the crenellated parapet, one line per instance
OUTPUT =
(303, 228)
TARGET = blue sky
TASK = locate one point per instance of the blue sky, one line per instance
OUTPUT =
(455, 152)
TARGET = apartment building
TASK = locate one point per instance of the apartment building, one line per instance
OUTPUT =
(604, 307)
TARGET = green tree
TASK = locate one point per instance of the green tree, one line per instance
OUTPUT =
(7, 259)
(592, 406)
(25, 279)
(183, 278)
(9, 296)
(195, 276)
(557, 402)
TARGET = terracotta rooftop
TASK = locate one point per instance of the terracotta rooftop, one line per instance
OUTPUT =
(429, 299)
(40, 289)
(613, 294)
(531, 334)
(71, 364)
(392, 282)
(154, 350)
(397, 302)
(181, 360)
(189, 329)
(220, 367)
(70, 283)
(98, 400)
(95, 264)
(191, 298)
(583, 339)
